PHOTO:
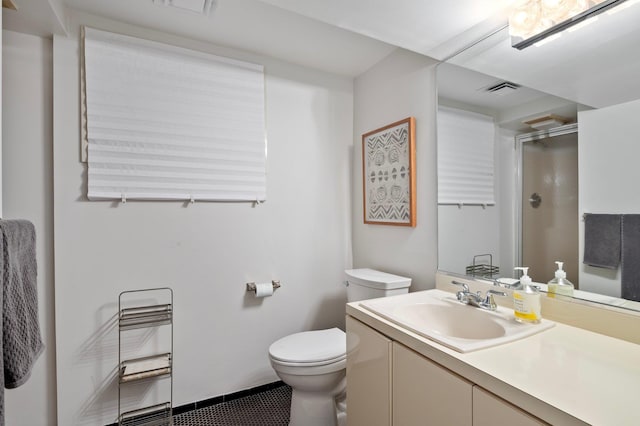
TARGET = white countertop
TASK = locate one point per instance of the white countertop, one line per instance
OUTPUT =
(564, 375)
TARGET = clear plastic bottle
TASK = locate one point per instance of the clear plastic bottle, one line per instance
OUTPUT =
(526, 299)
(560, 285)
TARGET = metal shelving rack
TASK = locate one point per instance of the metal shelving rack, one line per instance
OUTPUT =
(149, 367)
(482, 270)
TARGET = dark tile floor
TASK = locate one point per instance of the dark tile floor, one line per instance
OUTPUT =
(268, 408)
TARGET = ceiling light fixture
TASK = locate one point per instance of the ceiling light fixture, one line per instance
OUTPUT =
(532, 21)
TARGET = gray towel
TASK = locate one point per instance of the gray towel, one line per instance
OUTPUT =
(631, 257)
(602, 234)
(21, 341)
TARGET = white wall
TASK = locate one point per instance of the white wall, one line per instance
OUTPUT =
(465, 232)
(401, 85)
(608, 178)
(471, 230)
(506, 179)
(28, 194)
(206, 251)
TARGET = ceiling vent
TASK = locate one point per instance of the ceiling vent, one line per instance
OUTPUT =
(201, 7)
(502, 88)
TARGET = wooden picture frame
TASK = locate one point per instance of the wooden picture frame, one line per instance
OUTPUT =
(389, 174)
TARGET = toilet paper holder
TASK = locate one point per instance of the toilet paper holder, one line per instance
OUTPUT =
(252, 285)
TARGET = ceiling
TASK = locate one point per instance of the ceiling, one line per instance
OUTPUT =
(345, 37)
(248, 25)
(433, 28)
(596, 66)
(470, 90)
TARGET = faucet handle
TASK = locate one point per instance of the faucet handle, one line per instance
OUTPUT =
(464, 286)
(463, 294)
(489, 301)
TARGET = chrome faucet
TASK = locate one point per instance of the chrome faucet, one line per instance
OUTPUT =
(476, 299)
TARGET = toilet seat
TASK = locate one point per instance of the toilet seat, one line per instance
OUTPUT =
(309, 364)
(310, 348)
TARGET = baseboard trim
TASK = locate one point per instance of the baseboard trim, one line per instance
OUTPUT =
(225, 398)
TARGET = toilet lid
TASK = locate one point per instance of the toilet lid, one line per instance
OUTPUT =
(310, 346)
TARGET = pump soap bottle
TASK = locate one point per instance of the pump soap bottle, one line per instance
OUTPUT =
(560, 284)
(526, 299)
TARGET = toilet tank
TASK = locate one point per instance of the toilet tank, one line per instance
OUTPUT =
(367, 283)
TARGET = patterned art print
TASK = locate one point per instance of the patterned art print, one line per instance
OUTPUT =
(388, 173)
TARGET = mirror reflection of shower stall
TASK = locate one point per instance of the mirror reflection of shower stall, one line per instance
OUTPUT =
(549, 202)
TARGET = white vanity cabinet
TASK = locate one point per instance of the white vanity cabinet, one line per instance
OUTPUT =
(368, 376)
(489, 410)
(390, 384)
(425, 393)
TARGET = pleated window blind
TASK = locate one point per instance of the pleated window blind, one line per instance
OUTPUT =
(465, 157)
(166, 123)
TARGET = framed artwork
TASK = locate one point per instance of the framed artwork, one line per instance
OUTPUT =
(388, 172)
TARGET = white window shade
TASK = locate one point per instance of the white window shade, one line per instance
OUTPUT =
(465, 158)
(165, 123)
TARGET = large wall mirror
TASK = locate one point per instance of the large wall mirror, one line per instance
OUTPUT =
(564, 144)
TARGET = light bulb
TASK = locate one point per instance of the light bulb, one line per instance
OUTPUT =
(524, 18)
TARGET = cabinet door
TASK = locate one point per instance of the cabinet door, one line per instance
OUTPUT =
(490, 410)
(425, 393)
(368, 376)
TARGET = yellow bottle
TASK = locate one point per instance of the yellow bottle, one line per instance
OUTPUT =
(526, 299)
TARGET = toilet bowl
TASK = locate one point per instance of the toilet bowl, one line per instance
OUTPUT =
(313, 363)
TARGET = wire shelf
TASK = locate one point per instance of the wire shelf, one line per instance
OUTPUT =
(482, 270)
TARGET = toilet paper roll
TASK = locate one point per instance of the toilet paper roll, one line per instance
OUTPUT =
(264, 289)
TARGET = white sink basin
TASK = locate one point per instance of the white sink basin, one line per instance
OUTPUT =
(439, 316)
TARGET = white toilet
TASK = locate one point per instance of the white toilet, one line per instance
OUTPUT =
(313, 363)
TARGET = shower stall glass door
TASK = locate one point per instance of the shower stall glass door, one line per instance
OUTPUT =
(549, 202)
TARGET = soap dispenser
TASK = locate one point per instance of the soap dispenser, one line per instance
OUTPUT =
(560, 284)
(526, 299)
